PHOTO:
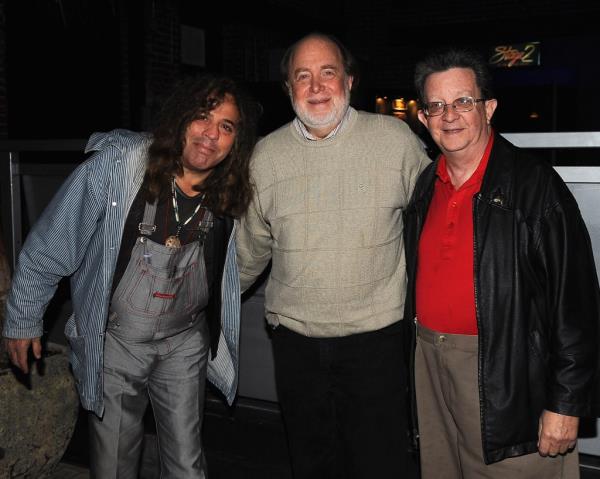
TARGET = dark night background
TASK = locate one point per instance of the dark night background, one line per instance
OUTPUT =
(71, 67)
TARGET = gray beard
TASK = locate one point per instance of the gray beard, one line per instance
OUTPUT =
(333, 118)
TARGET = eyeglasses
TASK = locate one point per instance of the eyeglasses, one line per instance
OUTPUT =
(462, 105)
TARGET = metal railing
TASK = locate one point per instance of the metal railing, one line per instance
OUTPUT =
(10, 184)
(11, 171)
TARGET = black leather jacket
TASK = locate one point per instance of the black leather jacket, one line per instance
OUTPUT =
(536, 296)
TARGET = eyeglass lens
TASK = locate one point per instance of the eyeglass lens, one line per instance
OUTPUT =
(462, 104)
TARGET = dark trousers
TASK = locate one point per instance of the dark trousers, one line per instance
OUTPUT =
(343, 403)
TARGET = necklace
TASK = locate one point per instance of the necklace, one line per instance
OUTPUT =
(173, 241)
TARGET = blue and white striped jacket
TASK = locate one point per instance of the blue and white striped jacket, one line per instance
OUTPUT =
(79, 235)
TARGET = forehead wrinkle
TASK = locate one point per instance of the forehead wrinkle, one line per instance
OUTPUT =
(316, 46)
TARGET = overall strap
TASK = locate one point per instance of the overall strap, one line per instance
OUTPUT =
(147, 226)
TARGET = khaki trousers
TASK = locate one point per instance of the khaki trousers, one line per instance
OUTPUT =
(448, 412)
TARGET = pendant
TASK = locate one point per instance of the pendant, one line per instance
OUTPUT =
(173, 242)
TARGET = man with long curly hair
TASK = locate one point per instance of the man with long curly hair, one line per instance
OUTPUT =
(144, 228)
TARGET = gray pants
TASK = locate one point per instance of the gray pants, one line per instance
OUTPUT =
(448, 414)
(171, 372)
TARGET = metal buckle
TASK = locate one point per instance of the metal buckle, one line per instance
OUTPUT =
(146, 228)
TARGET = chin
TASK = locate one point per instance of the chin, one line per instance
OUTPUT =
(451, 146)
(316, 119)
(322, 121)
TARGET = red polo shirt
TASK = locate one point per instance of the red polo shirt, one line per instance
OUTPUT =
(445, 284)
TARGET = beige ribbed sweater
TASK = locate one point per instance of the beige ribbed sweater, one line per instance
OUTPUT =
(329, 215)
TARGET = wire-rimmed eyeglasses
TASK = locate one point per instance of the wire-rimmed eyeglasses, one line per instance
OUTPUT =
(461, 105)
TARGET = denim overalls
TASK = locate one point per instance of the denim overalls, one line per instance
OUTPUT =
(156, 347)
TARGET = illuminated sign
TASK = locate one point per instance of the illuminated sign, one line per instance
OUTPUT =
(519, 55)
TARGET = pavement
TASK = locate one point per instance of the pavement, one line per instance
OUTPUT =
(243, 442)
(246, 441)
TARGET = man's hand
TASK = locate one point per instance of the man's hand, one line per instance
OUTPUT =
(18, 349)
(557, 433)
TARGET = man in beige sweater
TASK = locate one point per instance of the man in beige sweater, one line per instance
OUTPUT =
(330, 190)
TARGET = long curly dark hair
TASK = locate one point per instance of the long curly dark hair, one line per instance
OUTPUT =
(228, 188)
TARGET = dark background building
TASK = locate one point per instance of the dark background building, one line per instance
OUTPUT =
(70, 67)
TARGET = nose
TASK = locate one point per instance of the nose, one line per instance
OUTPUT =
(315, 84)
(450, 113)
(212, 130)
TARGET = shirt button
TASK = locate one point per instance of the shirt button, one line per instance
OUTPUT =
(114, 203)
(454, 204)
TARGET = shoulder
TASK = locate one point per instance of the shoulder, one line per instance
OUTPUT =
(117, 147)
(120, 139)
(533, 177)
(426, 178)
(383, 122)
(520, 160)
(390, 131)
(116, 152)
(274, 140)
(270, 148)
(392, 138)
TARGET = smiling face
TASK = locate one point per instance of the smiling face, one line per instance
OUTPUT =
(209, 139)
(459, 135)
(318, 85)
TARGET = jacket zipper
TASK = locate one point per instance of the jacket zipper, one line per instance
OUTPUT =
(477, 198)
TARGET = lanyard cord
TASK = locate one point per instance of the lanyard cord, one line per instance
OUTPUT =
(176, 208)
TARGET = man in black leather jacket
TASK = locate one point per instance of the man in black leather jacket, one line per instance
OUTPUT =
(503, 291)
